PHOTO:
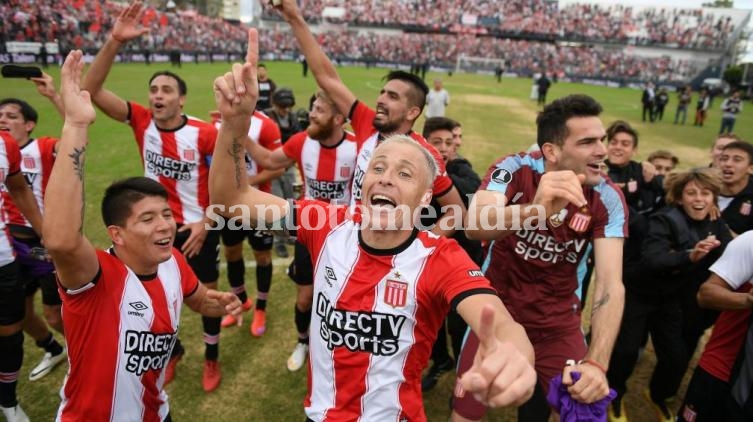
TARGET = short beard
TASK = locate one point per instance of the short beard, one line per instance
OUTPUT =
(385, 128)
(319, 132)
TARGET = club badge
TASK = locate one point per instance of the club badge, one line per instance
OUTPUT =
(745, 208)
(557, 219)
(580, 221)
(632, 186)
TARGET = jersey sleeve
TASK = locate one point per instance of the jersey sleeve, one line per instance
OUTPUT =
(314, 220)
(611, 212)
(14, 155)
(138, 118)
(208, 139)
(294, 147)
(501, 176)
(87, 297)
(361, 118)
(270, 136)
(735, 266)
(459, 277)
(188, 280)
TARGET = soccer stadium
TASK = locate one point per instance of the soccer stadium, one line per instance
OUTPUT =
(676, 74)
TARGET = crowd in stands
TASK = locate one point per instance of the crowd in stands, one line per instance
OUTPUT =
(684, 28)
(83, 24)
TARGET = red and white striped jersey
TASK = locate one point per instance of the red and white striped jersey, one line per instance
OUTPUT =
(120, 331)
(326, 171)
(265, 132)
(361, 119)
(37, 159)
(375, 315)
(178, 158)
(10, 164)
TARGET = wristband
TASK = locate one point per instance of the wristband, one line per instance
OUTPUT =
(593, 363)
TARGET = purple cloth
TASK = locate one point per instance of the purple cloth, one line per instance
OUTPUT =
(36, 263)
(571, 410)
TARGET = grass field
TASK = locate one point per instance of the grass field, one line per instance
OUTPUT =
(497, 118)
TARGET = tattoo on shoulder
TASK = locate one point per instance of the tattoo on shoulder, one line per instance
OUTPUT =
(236, 151)
(598, 303)
(77, 156)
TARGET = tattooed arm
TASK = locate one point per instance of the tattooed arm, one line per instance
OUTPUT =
(235, 94)
(606, 314)
(74, 256)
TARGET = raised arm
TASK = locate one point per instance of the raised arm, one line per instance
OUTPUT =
(270, 160)
(125, 29)
(74, 256)
(324, 71)
(46, 87)
(236, 93)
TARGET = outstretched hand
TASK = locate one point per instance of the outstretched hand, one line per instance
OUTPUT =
(500, 375)
(76, 103)
(229, 302)
(236, 92)
(45, 85)
(288, 8)
(126, 25)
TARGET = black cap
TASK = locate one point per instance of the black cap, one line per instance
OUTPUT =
(283, 97)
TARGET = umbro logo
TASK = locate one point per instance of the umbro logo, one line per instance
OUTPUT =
(329, 275)
(139, 306)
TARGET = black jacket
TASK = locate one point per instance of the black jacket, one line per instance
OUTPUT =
(666, 252)
(739, 212)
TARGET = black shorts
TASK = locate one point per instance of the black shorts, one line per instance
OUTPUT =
(258, 239)
(12, 297)
(301, 270)
(34, 279)
(206, 264)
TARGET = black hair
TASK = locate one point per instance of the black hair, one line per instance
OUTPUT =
(29, 113)
(552, 121)
(621, 126)
(417, 95)
(742, 146)
(433, 124)
(122, 194)
(182, 87)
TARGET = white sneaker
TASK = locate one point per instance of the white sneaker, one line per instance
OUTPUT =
(14, 414)
(47, 364)
(298, 357)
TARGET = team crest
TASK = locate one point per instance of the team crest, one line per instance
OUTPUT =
(502, 176)
(580, 221)
(345, 171)
(396, 293)
(189, 154)
(632, 186)
(30, 163)
(745, 208)
(557, 219)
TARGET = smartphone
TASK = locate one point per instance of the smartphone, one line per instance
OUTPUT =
(13, 71)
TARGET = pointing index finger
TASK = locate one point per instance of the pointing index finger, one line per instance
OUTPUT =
(486, 333)
(252, 52)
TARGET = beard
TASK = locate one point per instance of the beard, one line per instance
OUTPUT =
(385, 128)
(320, 131)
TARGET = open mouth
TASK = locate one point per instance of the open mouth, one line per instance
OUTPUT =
(381, 110)
(382, 201)
(699, 207)
(163, 242)
(595, 166)
(4, 129)
(159, 106)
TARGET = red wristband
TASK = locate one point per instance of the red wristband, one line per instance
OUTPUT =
(593, 363)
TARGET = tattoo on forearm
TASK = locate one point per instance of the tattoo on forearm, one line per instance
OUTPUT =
(236, 151)
(77, 156)
(598, 303)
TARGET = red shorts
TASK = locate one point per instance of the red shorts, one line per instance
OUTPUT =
(553, 347)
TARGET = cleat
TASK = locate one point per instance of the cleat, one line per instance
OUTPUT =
(47, 364)
(229, 320)
(281, 250)
(298, 357)
(259, 324)
(171, 365)
(616, 411)
(212, 375)
(14, 414)
(663, 414)
(431, 378)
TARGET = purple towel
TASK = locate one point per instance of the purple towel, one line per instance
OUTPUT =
(572, 410)
(35, 260)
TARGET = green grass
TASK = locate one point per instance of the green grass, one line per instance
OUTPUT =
(498, 119)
